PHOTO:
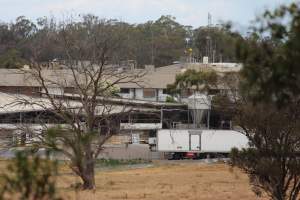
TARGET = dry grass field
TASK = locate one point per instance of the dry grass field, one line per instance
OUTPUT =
(180, 181)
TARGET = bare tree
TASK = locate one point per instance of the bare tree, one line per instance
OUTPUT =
(78, 91)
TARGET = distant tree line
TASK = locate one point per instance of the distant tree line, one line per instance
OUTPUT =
(159, 42)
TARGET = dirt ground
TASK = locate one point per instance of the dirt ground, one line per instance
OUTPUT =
(168, 181)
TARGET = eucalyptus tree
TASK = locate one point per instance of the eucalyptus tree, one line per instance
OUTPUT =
(269, 110)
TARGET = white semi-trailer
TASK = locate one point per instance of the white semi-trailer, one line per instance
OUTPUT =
(193, 143)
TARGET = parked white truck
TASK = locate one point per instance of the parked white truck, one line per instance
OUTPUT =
(197, 143)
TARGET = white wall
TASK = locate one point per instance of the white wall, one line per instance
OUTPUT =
(54, 90)
(140, 126)
(161, 96)
(129, 95)
(140, 95)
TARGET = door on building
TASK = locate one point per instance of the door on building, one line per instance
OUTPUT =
(135, 138)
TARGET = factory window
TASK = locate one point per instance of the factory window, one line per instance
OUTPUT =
(125, 90)
(18, 90)
(149, 93)
(224, 92)
(213, 91)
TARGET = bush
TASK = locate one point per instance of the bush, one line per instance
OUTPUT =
(29, 177)
(170, 99)
(115, 162)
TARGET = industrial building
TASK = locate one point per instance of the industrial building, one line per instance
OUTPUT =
(146, 101)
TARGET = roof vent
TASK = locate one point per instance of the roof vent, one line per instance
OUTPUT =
(26, 67)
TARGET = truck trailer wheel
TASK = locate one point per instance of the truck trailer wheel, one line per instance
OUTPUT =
(178, 156)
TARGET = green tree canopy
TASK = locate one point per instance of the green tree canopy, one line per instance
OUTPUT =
(269, 110)
(220, 41)
(192, 79)
(271, 64)
(12, 59)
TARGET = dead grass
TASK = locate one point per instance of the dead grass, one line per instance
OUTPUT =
(180, 181)
(190, 181)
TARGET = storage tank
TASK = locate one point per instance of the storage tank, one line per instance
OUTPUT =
(199, 105)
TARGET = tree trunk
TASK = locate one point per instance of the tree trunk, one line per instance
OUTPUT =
(84, 167)
(88, 176)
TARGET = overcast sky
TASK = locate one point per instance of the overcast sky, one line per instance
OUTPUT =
(187, 12)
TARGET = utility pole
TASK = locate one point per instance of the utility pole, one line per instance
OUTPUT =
(209, 20)
(208, 38)
(152, 47)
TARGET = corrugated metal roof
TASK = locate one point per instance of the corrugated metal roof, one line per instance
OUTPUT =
(11, 103)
